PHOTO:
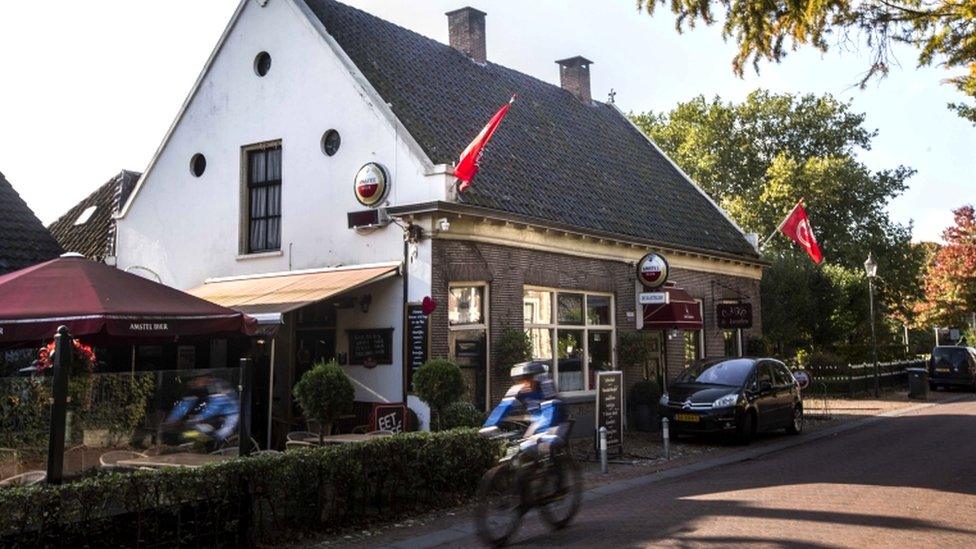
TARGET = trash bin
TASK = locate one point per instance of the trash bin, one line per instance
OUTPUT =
(918, 383)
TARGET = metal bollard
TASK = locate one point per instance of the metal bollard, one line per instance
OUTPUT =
(666, 436)
(603, 450)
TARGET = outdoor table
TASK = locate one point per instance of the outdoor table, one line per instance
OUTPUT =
(180, 459)
(344, 439)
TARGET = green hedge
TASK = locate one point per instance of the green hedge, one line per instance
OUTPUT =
(285, 495)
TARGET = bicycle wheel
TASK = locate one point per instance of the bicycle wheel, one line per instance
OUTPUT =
(499, 511)
(565, 489)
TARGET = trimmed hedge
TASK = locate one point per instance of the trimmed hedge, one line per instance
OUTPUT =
(278, 495)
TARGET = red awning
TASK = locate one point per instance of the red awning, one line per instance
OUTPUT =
(91, 298)
(681, 312)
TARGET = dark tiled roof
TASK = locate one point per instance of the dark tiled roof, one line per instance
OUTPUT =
(94, 238)
(554, 158)
(23, 239)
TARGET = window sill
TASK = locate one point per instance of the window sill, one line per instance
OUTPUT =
(576, 397)
(259, 255)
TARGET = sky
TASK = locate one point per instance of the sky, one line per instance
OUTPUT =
(90, 88)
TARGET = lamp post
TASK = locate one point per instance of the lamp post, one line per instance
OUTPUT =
(871, 269)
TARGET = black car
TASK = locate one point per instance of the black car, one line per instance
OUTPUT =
(735, 396)
(952, 366)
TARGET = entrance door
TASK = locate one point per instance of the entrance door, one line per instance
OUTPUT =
(468, 352)
(656, 368)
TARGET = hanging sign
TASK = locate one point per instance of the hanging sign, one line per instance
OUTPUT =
(654, 298)
(372, 184)
(731, 316)
(610, 408)
(652, 271)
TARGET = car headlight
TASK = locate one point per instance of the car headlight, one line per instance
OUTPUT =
(664, 400)
(726, 401)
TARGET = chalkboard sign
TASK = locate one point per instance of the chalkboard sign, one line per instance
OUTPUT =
(610, 408)
(417, 334)
(371, 347)
(390, 417)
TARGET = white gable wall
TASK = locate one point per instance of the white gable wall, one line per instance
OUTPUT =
(186, 229)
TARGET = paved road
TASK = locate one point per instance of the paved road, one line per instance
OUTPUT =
(904, 481)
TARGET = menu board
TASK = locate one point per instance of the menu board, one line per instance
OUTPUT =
(610, 408)
(417, 337)
(371, 347)
(390, 417)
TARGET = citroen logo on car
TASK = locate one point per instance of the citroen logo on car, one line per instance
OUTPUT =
(686, 405)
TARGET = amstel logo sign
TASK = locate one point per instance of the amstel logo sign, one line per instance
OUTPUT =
(372, 185)
(652, 271)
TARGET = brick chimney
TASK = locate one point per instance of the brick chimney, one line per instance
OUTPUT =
(466, 29)
(574, 76)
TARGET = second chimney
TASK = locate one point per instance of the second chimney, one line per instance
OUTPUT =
(574, 76)
(466, 31)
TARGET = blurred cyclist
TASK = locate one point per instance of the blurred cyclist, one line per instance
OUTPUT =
(209, 414)
(533, 395)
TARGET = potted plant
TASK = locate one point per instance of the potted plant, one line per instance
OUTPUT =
(644, 396)
(513, 346)
(438, 382)
(324, 393)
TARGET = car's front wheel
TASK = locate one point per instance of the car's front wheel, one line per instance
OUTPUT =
(796, 425)
(746, 428)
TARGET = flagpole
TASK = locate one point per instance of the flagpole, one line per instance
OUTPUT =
(780, 226)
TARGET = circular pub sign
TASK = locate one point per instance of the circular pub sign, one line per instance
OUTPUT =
(371, 184)
(652, 271)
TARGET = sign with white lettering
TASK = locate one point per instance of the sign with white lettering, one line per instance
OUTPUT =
(610, 408)
(652, 271)
(390, 417)
(371, 347)
(654, 298)
(734, 315)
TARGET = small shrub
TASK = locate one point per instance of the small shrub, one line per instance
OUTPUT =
(645, 391)
(438, 382)
(461, 414)
(325, 393)
(513, 346)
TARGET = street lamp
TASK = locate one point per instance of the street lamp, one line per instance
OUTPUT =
(871, 269)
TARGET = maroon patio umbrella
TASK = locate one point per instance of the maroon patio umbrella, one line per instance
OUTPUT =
(93, 299)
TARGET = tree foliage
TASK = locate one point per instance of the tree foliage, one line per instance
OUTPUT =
(438, 382)
(950, 282)
(943, 31)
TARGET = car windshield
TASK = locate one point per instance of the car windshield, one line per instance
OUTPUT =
(953, 357)
(731, 372)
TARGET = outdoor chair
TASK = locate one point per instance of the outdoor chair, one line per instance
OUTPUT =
(301, 436)
(233, 442)
(25, 479)
(298, 444)
(110, 460)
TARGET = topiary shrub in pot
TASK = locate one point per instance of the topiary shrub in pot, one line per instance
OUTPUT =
(438, 382)
(461, 414)
(325, 393)
(644, 396)
(513, 346)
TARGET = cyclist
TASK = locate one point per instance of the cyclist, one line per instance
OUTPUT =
(533, 395)
(209, 414)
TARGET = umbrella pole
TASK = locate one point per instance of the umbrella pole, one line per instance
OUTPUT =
(271, 366)
(59, 408)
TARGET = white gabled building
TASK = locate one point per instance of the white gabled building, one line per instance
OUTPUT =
(249, 202)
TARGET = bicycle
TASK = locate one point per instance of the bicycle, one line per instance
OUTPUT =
(525, 479)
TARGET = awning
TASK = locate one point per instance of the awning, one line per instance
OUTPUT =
(286, 291)
(681, 312)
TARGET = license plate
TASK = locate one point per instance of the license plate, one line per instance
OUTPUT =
(691, 418)
(942, 370)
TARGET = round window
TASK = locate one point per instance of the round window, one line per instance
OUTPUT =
(262, 63)
(198, 165)
(330, 142)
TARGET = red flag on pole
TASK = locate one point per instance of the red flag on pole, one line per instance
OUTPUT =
(470, 159)
(797, 227)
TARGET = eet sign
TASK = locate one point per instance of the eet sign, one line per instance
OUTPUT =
(654, 298)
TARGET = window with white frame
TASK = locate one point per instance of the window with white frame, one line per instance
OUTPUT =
(572, 332)
(695, 341)
(467, 320)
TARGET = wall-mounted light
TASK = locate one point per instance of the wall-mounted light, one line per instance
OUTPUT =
(673, 333)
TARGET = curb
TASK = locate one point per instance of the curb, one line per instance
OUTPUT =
(460, 532)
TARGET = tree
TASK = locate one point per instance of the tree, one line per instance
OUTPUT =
(758, 157)
(944, 31)
(324, 393)
(438, 382)
(950, 281)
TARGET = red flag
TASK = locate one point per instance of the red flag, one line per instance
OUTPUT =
(471, 157)
(797, 227)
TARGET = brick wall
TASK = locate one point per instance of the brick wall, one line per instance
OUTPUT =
(508, 269)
